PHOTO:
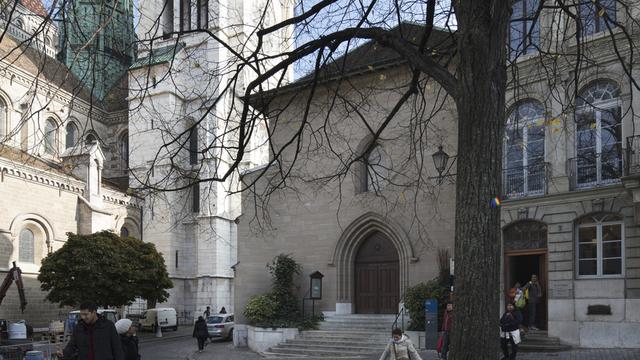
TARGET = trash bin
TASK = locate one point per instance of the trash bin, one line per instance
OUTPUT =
(431, 323)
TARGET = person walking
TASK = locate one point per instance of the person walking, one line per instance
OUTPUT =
(447, 323)
(534, 291)
(93, 338)
(510, 332)
(400, 348)
(207, 312)
(200, 332)
(128, 339)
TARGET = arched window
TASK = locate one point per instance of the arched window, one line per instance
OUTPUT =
(598, 135)
(377, 164)
(193, 144)
(20, 23)
(524, 168)
(47, 41)
(90, 139)
(3, 117)
(124, 232)
(26, 249)
(71, 138)
(600, 245)
(50, 137)
(525, 235)
(124, 150)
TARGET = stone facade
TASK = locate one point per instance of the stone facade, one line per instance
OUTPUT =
(52, 180)
(580, 190)
(175, 81)
(570, 190)
(323, 224)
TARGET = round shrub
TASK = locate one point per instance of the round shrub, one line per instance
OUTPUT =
(260, 309)
(414, 298)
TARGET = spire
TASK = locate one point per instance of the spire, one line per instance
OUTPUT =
(96, 42)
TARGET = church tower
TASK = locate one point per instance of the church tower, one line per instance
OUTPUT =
(97, 42)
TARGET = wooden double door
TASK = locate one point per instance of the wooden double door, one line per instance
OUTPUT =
(377, 277)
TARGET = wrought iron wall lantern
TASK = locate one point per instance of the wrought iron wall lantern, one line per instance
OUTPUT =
(440, 160)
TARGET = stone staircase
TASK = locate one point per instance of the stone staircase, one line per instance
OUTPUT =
(339, 337)
(539, 341)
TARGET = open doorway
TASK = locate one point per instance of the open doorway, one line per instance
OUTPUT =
(519, 266)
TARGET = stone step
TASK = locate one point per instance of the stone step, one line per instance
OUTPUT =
(352, 325)
(326, 352)
(337, 342)
(379, 329)
(280, 356)
(337, 335)
(362, 316)
(348, 348)
(528, 347)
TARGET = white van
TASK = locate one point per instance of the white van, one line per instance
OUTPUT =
(166, 317)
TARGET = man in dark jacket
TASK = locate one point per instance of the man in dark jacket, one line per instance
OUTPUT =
(93, 338)
(535, 296)
(201, 332)
(510, 331)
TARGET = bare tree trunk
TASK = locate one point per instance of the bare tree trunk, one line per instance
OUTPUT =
(481, 77)
(151, 304)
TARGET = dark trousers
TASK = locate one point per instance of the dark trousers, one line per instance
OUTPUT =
(504, 342)
(201, 341)
(445, 344)
(533, 307)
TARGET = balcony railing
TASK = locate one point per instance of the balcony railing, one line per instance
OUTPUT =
(594, 170)
(525, 181)
(632, 156)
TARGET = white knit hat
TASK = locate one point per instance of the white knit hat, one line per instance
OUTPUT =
(123, 325)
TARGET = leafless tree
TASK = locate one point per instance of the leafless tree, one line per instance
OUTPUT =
(463, 59)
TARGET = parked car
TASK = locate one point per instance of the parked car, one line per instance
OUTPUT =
(167, 318)
(220, 325)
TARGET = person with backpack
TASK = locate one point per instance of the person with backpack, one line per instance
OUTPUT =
(517, 298)
(400, 348)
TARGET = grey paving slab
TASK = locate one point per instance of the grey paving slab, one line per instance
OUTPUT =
(184, 348)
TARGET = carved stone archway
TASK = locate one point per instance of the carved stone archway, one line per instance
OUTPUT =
(346, 249)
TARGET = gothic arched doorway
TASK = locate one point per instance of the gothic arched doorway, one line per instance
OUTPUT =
(377, 276)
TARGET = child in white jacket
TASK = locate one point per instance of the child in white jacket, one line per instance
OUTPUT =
(400, 348)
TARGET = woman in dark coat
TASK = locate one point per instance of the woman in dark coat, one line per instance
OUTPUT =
(200, 332)
(510, 332)
(128, 338)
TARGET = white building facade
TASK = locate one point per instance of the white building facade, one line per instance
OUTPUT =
(182, 123)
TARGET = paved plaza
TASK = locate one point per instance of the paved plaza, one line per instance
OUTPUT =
(182, 346)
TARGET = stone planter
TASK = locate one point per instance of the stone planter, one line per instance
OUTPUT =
(261, 339)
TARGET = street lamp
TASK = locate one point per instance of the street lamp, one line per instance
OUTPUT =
(440, 159)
